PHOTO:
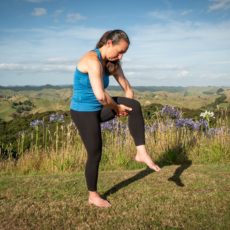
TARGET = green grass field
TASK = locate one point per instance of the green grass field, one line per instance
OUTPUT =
(196, 197)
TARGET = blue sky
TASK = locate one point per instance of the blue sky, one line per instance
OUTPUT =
(173, 42)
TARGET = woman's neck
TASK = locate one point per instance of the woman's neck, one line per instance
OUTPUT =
(102, 51)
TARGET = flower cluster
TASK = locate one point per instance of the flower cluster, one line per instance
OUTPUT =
(36, 123)
(113, 125)
(203, 124)
(207, 115)
(107, 125)
(171, 112)
(215, 131)
(193, 125)
(151, 128)
(174, 113)
(55, 117)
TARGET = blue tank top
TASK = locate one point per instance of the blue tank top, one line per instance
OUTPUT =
(83, 98)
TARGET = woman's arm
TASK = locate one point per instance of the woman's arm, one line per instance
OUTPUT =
(124, 83)
(95, 76)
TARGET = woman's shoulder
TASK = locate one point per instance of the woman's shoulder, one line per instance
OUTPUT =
(88, 58)
(90, 55)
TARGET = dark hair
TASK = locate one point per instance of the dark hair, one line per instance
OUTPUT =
(115, 36)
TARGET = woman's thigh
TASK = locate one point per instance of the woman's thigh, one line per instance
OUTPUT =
(88, 125)
(108, 114)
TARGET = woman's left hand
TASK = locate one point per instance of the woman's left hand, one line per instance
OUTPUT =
(123, 110)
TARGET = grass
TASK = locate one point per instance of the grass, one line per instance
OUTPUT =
(6, 111)
(196, 197)
(58, 148)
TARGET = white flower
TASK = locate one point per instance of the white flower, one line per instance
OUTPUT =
(207, 114)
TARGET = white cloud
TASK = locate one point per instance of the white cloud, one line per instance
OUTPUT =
(162, 15)
(226, 62)
(179, 52)
(169, 15)
(57, 14)
(219, 5)
(74, 17)
(17, 67)
(58, 60)
(150, 67)
(173, 53)
(11, 66)
(186, 12)
(39, 11)
(183, 73)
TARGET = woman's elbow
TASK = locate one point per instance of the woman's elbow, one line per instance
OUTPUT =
(101, 98)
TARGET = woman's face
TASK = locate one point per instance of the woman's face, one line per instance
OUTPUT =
(116, 51)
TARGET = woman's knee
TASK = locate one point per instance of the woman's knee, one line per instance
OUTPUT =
(129, 102)
(135, 105)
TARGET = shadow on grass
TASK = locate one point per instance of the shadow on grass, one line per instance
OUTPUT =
(176, 176)
(175, 155)
(128, 181)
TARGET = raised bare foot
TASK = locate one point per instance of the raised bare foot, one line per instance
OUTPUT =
(145, 158)
(98, 201)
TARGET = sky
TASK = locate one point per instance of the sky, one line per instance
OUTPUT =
(173, 42)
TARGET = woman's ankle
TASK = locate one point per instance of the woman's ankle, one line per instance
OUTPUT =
(141, 149)
(93, 194)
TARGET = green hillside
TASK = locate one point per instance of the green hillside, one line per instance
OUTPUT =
(52, 98)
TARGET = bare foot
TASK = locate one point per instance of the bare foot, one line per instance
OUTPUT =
(145, 158)
(98, 201)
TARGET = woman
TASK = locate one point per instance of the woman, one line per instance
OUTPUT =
(91, 105)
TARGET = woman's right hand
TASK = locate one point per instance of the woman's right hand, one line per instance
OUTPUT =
(122, 110)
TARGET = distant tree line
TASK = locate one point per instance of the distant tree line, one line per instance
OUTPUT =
(35, 88)
(115, 88)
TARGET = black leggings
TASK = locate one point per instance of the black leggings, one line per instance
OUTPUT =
(88, 125)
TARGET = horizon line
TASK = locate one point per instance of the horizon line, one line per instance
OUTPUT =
(70, 85)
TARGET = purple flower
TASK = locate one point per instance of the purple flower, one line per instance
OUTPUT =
(215, 131)
(114, 125)
(107, 125)
(36, 123)
(56, 117)
(193, 125)
(171, 112)
(204, 124)
(196, 126)
(187, 122)
(151, 128)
